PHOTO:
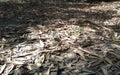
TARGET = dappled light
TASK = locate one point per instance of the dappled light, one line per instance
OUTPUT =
(55, 38)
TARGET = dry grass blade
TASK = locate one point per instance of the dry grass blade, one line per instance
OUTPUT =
(48, 71)
(74, 38)
(80, 53)
(116, 46)
(2, 68)
(105, 72)
(57, 49)
(87, 51)
(99, 56)
(8, 69)
(108, 60)
(117, 56)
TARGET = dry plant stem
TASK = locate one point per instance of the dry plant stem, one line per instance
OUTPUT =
(105, 72)
(99, 57)
(50, 50)
(87, 51)
(118, 56)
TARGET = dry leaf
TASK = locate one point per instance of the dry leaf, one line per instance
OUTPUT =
(8, 69)
(2, 68)
(105, 72)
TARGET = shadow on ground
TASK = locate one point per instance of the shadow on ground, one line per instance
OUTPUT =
(15, 18)
(98, 55)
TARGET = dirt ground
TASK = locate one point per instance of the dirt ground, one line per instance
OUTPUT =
(60, 39)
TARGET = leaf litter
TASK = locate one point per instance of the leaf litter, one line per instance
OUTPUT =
(64, 47)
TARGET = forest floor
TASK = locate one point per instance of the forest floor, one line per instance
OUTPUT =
(60, 39)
